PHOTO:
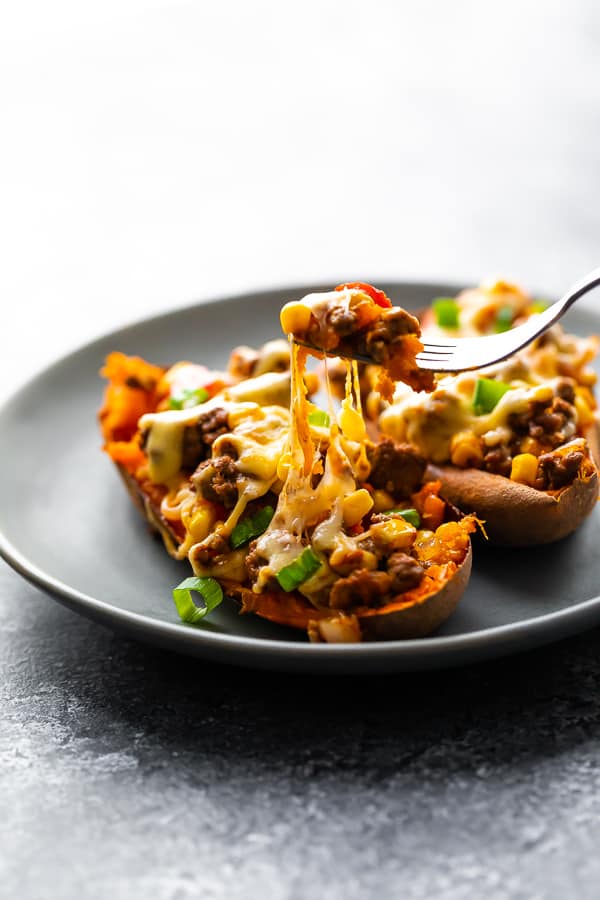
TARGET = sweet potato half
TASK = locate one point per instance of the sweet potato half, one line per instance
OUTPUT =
(414, 614)
(516, 515)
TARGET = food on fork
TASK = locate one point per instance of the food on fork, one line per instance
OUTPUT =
(288, 508)
(357, 321)
(515, 442)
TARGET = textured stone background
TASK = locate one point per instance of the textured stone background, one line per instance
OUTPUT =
(157, 152)
(130, 772)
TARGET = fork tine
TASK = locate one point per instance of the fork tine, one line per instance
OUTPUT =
(428, 352)
(433, 359)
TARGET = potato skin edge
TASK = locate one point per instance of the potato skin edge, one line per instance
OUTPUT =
(148, 510)
(515, 515)
(419, 619)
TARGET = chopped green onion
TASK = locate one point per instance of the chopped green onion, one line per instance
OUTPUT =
(208, 588)
(411, 515)
(187, 398)
(487, 394)
(302, 568)
(504, 319)
(446, 312)
(539, 306)
(319, 417)
(251, 527)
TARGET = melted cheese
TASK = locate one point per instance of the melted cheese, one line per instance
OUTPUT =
(301, 505)
(164, 431)
(268, 388)
(297, 315)
(429, 421)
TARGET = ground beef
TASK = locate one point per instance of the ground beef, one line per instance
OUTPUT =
(199, 438)
(398, 322)
(394, 324)
(559, 470)
(550, 425)
(498, 461)
(213, 546)
(212, 424)
(342, 321)
(406, 573)
(566, 390)
(362, 588)
(254, 563)
(216, 479)
(396, 468)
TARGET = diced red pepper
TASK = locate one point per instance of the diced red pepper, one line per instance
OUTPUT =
(377, 296)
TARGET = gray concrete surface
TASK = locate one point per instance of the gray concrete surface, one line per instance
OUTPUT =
(129, 772)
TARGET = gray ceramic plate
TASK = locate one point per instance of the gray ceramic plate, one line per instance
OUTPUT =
(67, 525)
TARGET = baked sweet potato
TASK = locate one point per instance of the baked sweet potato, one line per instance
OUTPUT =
(412, 615)
(389, 558)
(517, 515)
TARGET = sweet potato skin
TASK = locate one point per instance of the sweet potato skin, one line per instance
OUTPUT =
(515, 515)
(149, 509)
(417, 620)
(395, 621)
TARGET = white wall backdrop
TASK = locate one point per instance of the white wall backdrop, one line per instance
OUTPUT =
(153, 153)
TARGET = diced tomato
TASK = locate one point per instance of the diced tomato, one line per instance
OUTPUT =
(430, 507)
(377, 296)
(434, 509)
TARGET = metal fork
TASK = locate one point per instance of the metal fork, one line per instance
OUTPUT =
(462, 354)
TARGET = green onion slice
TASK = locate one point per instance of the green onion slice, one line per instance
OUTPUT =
(411, 515)
(319, 417)
(251, 527)
(487, 394)
(188, 398)
(302, 568)
(504, 319)
(208, 588)
(446, 312)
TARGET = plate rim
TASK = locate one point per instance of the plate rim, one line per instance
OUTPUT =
(425, 653)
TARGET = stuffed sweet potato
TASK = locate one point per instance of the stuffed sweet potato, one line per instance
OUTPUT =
(516, 443)
(291, 511)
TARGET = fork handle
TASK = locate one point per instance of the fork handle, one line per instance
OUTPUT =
(581, 287)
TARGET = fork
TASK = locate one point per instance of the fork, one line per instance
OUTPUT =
(462, 354)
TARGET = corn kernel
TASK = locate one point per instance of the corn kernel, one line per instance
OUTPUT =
(543, 393)
(382, 501)
(351, 423)
(524, 468)
(201, 523)
(356, 505)
(465, 450)
(295, 317)
(394, 534)
(584, 413)
(530, 445)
